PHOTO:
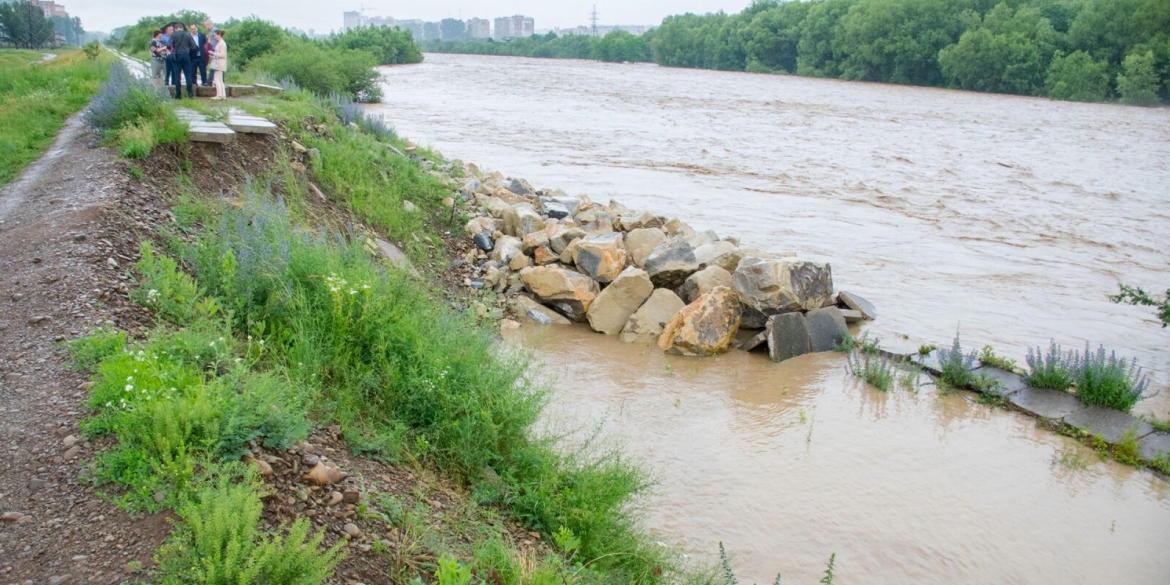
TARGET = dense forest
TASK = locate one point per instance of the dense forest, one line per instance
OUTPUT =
(1084, 50)
(617, 47)
(342, 63)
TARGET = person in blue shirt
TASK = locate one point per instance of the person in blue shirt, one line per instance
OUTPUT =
(169, 60)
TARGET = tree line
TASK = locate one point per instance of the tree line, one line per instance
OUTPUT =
(1085, 50)
(24, 26)
(617, 47)
(341, 63)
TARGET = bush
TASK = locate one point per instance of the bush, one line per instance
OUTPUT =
(251, 38)
(124, 99)
(1049, 370)
(1106, 380)
(1138, 81)
(324, 71)
(956, 366)
(390, 45)
(1077, 77)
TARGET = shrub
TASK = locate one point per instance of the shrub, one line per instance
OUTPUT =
(323, 71)
(955, 365)
(136, 139)
(251, 38)
(122, 100)
(220, 542)
(390, 45)
(1049, 370)
(1106, 380)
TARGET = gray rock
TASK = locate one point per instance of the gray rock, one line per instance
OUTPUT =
(755, 319)
(671, 263)
(826, 327)
(705, 281)
(1009, 382)
(483, 241)
(647, 322)
(788, 336)
(561, 239)
(506, 248)
(1107, 423)
(722, 254)
(857, 303)
(521, 187)
(613, 307)
(783, 284)
(527, 308)
(702, 239)
(602, 256)
(521, 219)
(555, 209)
(640, 243)
(395, 257)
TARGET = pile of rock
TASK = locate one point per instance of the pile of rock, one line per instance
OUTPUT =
(645, 277)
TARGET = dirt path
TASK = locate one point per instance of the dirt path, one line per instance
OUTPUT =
(64, 244)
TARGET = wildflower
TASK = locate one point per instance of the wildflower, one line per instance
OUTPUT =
(152, 296)
(352, 292)
(129, 387)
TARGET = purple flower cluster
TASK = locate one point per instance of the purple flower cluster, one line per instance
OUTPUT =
(122, 99)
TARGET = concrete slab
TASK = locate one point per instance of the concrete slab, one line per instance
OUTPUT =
(248, 124)
(752, 342)
(186, 114)
(204, 92)
(852, 316)
(788, 336)
(1107, 423)
(203, 131)
(1010, 382)
(240, 90)
(1045, 402)
(1153, 445)
(932, 363)
(264, 89)
(857, 303)
(826, 328)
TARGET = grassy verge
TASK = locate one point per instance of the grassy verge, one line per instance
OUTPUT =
(36, 97)
(270, 328)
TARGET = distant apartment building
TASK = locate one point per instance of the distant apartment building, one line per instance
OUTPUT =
(511, 27)
(351, 19)
(479, 28)
(50, 8)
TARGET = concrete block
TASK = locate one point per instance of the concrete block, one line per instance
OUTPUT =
(788, 336)
(1010, 382)
(202, 131)
(1107, 423)
(248, 124)
(857, 303)
(1045, 402)
(240, 90)
(826, 328)
(852, 316)
(751, 342)
(1153, 445)
(264, 89)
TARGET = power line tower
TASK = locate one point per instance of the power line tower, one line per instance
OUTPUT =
(593, 18)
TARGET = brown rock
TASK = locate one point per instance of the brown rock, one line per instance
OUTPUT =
(318, 475)
(647, 322)
(612, 308)
(569, 292)
(640, 242)
(705, 281)
(351, 496)
(704, 327)
(603, 257)
(334, 499)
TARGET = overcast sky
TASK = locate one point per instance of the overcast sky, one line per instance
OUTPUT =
(325, 15)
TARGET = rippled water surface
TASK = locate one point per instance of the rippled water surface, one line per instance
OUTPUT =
(1012, 218)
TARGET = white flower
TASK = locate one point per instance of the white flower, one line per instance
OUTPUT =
(129, 387)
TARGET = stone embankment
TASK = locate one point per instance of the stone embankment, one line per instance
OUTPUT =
(559, 260)
(646, 277)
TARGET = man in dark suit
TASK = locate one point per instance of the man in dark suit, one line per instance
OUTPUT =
(183, 49)
(200, 60)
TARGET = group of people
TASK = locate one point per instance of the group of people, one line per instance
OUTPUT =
(178, 51)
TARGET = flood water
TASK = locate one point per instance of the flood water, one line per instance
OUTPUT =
(1010, 218)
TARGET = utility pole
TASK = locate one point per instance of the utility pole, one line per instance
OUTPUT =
(594, 20)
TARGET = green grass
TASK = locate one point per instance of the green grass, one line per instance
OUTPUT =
(990, 358)
(875, 370)
(849, 343)
(36, 97)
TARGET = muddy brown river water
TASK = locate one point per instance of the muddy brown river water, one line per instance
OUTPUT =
(1012, 218)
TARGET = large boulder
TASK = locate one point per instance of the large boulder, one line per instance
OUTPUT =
(521, 219)
(676, 227)
(826, 328)
(505, 248)
(670, 263)
(530, 310)
(521, 187)
(569, 292)
(647, 322)
(641, 242)
(595, 219)
(612, 308)
(637, 221)
(704, 327)
(560, 239)
(495, 206)
(534, 240)
(723, 254)
(480, 224)
(603, 256)
(788, 336)
(771, 286)
(705, 281)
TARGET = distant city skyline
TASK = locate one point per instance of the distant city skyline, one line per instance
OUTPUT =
(106, 15)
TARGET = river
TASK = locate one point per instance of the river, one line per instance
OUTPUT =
(1009, 219)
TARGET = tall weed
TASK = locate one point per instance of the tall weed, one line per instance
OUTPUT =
(1051, 369)
(1105, 380)
(956, 365)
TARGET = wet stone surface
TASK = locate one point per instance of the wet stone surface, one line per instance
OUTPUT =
(1010, 382)
(1152, 445)
(1045, 402)
(1107, 423)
